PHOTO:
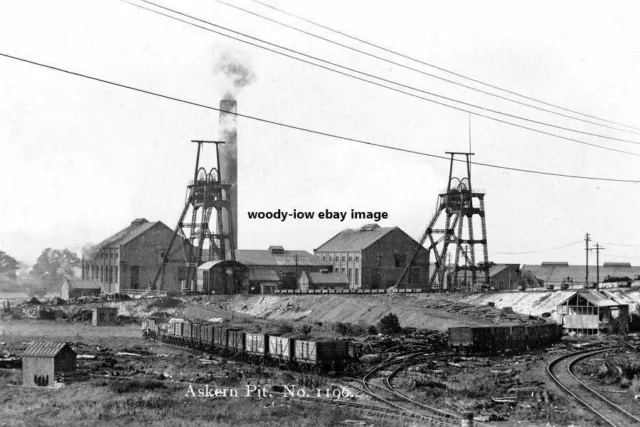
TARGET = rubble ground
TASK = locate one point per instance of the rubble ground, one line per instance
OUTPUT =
(615, 374)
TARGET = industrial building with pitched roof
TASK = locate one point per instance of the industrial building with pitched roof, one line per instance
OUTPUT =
(76, 288)
(276, 262)
(131, 258)
(556, 272)
(374, 257)
(322, 281)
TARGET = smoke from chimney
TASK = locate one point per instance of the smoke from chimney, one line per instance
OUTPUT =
(235, 73)
(88, 251)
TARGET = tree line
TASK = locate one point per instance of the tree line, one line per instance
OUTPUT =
(51, 267)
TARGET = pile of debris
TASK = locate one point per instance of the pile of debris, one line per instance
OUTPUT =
(489, 312)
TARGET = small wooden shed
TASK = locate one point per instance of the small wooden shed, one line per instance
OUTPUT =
(43, 362)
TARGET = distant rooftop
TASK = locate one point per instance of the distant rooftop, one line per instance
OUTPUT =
(355, 240)
(278, 257)
(137, 227)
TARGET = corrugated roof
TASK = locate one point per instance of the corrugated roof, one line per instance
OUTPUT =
(222, 263)
(329, 278)
(82, 284)
(596, 298)
(556, 273)
(44, 349)
(263, 275)
(135, 229)
(251, 257)
(354, 240)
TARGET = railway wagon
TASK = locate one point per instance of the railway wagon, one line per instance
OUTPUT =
(235, 341)
(207, 337)
(320, 354)
(490, 339)
(281, 349)
(256, 346)
(186, 330)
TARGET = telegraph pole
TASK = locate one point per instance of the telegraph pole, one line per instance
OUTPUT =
(587, 238)
(598, 248)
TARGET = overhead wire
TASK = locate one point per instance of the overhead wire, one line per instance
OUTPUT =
(620, 244)
(431, 65)
(373, 82)
(382, 78)
(540, 250)
(308, 130)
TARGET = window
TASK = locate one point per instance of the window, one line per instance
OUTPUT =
(343, 270)
(324, 257)
(182, 272)
(134, 277)
(350, 258)
(356, 277)
(400, 259)
(115, 274)
(330, 258)
(344, 258)
(349, 276)
(357, 258)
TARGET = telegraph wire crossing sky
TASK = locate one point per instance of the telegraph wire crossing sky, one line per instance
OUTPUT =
(99, 156)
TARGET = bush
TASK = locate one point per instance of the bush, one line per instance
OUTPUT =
(389, 324)
(372, 330)
(305, 329)
(285, 328)
(349, 329)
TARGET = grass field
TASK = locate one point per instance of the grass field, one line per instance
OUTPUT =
(98, 403)
(139, 402)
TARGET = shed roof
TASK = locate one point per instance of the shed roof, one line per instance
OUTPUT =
(44, 349)
(82, 284)
(354, 240)
(329, 278)
(596, 298)
(556, 272)
(255, 257)
(263, 275)
(222, 264)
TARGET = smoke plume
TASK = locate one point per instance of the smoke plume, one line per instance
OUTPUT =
(88, 251)
(235, 73)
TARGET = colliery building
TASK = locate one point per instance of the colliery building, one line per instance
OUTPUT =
(131, 258)
(322, 281)
(559, 273)
(264, 266)
(74, 288)
(591, 312)
(374, 257)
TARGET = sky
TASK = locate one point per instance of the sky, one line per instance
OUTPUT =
(81, 159)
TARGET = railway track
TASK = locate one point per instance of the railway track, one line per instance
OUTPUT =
(390, 397)
(560, 372)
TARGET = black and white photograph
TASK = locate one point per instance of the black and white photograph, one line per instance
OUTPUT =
(301, 213)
